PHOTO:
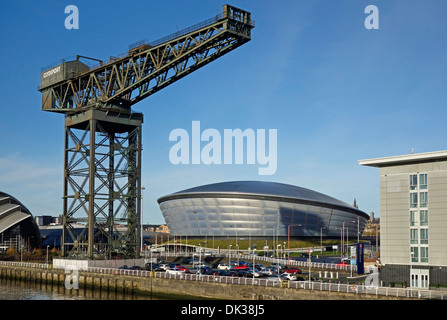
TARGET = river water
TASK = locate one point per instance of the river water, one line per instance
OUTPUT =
(21, 290)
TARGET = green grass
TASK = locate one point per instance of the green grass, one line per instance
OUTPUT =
(243, 245)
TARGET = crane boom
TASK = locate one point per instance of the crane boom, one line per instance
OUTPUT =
(146, 68)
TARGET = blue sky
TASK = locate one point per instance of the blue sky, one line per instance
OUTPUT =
(335, 91)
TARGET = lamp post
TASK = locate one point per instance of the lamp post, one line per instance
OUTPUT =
(47, 253)
(141, 221)
(343, 239)
(254, 253)
(288, 234)
(310, 262)
(321, 239)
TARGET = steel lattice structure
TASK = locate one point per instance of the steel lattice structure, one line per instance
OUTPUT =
(102, 163)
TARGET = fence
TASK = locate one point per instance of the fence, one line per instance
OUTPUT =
(25, 264)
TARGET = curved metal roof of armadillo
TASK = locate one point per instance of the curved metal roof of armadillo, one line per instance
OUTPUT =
(263, 190)
(12, 212)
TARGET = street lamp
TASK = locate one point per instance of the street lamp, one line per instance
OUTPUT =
(253, 267)
(321, 239)
(141, 220)
(229, 255)
(47, 253)
(288, 233)
(343, 239)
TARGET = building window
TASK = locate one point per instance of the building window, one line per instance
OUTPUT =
(424, 254)
(414, 254)
(424, 217)
(424, 199)
(413, 181)
(414, 236)
(424, 236)
(413, 200)
(423, 181)
(414, 218)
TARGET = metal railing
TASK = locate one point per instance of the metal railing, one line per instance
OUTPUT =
(25, 264)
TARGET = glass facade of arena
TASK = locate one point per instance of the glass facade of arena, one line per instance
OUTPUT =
(242, 217)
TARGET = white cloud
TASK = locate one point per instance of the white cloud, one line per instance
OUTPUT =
(37, 184)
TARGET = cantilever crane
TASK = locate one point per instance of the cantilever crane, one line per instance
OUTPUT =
(102, 162)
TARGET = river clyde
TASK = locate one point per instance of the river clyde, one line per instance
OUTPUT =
(21, 290)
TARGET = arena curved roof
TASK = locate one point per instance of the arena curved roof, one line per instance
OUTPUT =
(263, 190)
(13, 212)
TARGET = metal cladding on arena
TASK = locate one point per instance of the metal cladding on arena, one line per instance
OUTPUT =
(16, 223)
(258, 209)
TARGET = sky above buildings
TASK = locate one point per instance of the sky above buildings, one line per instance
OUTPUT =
(334, 91)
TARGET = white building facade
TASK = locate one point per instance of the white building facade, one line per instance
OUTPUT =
(413, 218)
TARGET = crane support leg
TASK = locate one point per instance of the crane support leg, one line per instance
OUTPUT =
(102, 184)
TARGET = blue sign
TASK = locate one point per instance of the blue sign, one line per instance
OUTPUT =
(360, 264)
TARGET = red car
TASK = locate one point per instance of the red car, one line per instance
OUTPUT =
(293, 270)
(241, 266)
(181, 268)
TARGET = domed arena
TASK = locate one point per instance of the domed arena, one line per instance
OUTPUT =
(258, 209)
(17, 225)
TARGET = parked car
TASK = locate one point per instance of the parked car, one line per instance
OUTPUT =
(293, 270)
(135, 268)
(253, 272)
(175, 271)
(344, 262)
(275, 278)
(153, 267)
(164, 266)
(182, 268)
(268, 271)
(241, 266)
(196, 270)
(278, 265)
(288, 276)
(222, 266)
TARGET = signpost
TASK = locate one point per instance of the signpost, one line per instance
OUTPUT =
(359, 260)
